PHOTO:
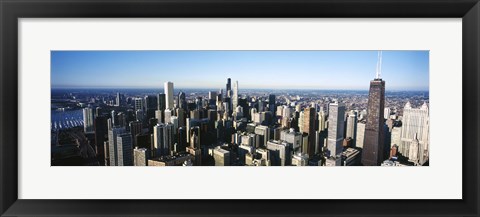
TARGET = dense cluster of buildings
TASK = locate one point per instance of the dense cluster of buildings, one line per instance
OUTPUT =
(228, 128)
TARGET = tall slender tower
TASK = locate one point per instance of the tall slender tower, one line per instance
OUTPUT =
(309, 127)
(336, 116)
(229, 87)
(168, 88)
(373, 145)
(235, 96)
(272, 105)
(181, 100)
(88, 117)
(352, 126)
(112, 143)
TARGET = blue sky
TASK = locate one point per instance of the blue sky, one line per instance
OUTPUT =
(402, 70)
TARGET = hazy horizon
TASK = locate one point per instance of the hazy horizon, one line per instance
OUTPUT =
(213, 89)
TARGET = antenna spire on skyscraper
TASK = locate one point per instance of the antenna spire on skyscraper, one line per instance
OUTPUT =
(379, 66)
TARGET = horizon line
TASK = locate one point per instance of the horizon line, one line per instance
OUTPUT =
(216, 89)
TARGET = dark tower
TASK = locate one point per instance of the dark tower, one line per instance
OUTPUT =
(229, 85)
(101, 130)
(151, 103)
(372, 154)
(181, 100)
(272, 105)
(309, 127)
(161, 101)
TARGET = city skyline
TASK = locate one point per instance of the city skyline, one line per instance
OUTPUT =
(302, 70)
(231, 126)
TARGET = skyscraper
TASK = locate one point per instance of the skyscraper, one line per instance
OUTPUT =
(336, 114)
(113, 145)
(88, 120)
(141, 156)
(159, 116)
(169, 137)
(235, 95)
(138, 104)
(118, 100)
(415, 123)
(352, 126)
(150, 106)
(181, 100)
(301, 116)
(161, 101)
(168, 88)
(322, 118)
(360, 134)
(229, 87)
(135, 129)
(309, 127)
(167, 115)
(373, 146)
(158, 140)
(181, 139)
(101, 129)
(212, 95)
(271, 104)
(125, 149)
(181, 116)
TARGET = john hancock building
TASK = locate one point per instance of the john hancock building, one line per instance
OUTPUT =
(296, 108)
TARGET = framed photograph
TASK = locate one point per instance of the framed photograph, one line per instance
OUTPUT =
(321, 108)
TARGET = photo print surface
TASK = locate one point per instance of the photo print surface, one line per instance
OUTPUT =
(240, 108)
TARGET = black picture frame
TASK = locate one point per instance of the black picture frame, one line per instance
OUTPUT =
(12, 10)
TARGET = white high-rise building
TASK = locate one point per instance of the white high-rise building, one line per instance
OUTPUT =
(301, 119)
(352, 126)
(360, 135)
(235, 95)
(118, 100)
(168, 88)
(336, 115)
(168, 115)
(322, 118)
(125, 149)
(112, 143)
(415, 123)
(88, 120)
